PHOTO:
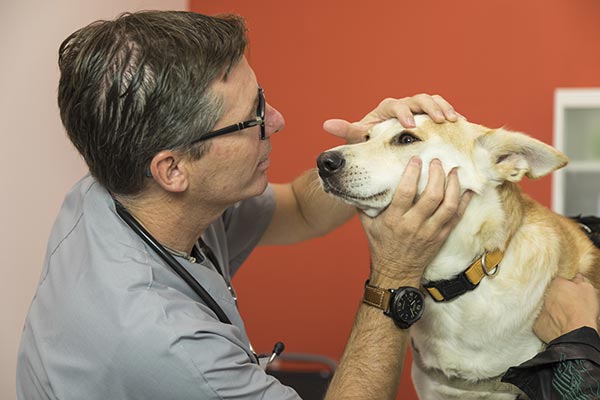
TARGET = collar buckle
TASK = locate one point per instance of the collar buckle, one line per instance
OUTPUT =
(447, 289)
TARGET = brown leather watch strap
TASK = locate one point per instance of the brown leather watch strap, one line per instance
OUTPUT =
(377, 297)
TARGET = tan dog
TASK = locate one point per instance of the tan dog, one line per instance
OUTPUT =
(463, 344)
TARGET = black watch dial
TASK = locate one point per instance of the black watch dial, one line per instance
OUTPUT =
(406, 306)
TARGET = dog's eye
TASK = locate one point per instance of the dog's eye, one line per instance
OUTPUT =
(405, 138)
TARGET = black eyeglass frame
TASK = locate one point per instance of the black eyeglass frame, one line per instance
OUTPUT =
(258, 120)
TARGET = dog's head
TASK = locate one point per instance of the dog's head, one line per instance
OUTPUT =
(366, 174)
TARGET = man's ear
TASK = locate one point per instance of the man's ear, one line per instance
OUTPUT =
(515, 154)
(168, 172)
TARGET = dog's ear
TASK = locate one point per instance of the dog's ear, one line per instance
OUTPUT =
(515, 154)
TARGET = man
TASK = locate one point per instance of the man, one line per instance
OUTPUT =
(174, 127)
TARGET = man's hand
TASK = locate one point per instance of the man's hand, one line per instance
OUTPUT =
(435, 106)
(568, 305)
(407, 235)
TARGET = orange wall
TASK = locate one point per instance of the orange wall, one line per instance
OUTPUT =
(497, 61)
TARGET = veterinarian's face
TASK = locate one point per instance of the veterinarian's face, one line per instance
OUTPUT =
(367, 174)
(235, 166)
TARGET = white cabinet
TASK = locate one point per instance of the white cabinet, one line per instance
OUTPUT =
(576, 187)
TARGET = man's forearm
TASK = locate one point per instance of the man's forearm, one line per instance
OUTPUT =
(304, 211)
(322, 212)
(372, 362)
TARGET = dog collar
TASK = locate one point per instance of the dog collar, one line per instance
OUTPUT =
(469, 279)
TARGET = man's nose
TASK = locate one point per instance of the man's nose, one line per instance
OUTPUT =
(274, 121)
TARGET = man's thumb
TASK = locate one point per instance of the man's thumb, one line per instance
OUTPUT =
(352, 132)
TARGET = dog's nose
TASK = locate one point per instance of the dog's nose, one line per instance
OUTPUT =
(329, 163)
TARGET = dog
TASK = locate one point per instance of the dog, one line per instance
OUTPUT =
(470, 335)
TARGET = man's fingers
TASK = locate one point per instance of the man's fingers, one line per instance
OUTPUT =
(456, 216)
(435, 106)
(465, 199)
(407, 188)
(447, 109)
(352, 132)
(449, 208)
(402, 111)
(433, 195)
(423, 103)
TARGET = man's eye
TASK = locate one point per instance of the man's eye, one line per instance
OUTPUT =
(405, 138)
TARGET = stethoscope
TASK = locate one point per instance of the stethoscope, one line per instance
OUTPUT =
(163, 253)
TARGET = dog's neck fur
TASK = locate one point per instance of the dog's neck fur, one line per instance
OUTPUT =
(474, 236)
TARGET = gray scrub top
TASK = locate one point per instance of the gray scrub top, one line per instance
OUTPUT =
(110, 320)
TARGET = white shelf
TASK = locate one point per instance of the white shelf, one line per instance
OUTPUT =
(577, 130)
(583, 166)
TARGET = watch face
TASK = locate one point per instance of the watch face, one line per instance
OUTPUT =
(407, 306)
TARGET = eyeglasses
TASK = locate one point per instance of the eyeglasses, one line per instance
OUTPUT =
(258, 120)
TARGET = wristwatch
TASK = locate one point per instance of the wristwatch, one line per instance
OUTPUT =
(403, 305)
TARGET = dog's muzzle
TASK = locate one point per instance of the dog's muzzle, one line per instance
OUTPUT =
(330, 163)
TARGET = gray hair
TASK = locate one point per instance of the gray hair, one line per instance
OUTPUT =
(137, 85)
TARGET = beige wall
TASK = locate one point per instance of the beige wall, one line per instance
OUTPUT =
(38, 163)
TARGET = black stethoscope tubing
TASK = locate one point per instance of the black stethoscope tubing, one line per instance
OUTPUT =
(171, 262)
